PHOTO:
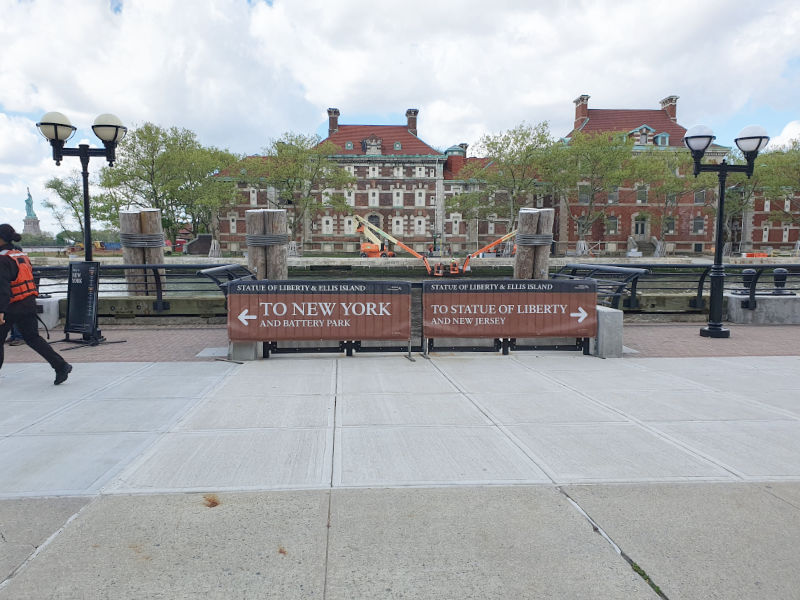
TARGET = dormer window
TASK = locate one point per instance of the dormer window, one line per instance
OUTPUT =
(348, 145)
(662, 139)
(398, 146)
(372, 145)
(643, 137)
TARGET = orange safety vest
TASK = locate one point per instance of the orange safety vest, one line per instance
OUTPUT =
(24, 285)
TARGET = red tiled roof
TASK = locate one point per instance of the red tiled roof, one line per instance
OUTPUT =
(601, 119)
(410, 145)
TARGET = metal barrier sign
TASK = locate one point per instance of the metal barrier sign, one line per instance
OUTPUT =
(271, 311)
(515, 308)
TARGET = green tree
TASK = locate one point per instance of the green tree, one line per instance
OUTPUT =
(68, 209)
(509, 176)
(582, 171)
(780, 181)
(167, 169)
(300, 170)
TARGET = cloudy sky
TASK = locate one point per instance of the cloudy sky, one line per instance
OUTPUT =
(241, 72)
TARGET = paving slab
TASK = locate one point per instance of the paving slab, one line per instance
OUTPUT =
(232, 460)
(63, 464)
(399, 456)
(391, 374)
(185, 546)
(610, 452)
(756, 449)
(408, 409)
(27, 524)
(564, 406)
(470, 543)
(471, 374)
(258, 410)
(722, 541)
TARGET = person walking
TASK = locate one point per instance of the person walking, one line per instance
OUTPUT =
(18, 303)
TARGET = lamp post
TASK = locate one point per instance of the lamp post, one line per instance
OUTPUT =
(57, 129)
(752, 139)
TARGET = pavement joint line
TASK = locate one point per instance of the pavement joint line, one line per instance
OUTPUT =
(598, 529)
(336, 377)
(527, 452)
(648, 428)
(147, 450)
(41, 547)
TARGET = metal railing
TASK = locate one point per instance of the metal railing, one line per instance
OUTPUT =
(614, 283)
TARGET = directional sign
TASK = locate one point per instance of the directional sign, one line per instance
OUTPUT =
(273, 311)
(511, 308)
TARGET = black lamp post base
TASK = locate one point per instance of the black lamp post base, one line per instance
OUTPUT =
(715, 332)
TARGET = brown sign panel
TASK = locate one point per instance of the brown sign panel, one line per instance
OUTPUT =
(271, 311)
(513, 308)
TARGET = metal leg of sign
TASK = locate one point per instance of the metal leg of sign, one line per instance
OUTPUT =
(506, 346)
(408, 356)
(585, 344)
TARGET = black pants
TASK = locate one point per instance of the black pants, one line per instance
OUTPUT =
(23, 315)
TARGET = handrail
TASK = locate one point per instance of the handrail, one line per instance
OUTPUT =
(611, 289)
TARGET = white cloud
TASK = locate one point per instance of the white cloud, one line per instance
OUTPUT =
(790, 133)
(239, 73)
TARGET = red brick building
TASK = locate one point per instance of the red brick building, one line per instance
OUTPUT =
(631, 210)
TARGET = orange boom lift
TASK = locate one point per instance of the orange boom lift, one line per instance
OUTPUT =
(375, 247)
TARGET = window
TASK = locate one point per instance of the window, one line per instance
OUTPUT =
(612, 225)
(700, 197)
(583, 194)
(398, 146)
(397, 225)
(419, 197)
(348, 145)
(253, 198)
(672, 199)
(373, 171)
(669, 224)
(351, 169)
(397, 172)
(698, 224)
(662, 139)
(490, 228)
(373, 198)
(698, 248)
(327, 225)
(349, 226)
(613, 195)
(641, 194)
(787, 205)
(420, 171)
(785, 233)
(456, 220)
(766, 206)
(375, 220)
(643, 138)
(397, 198)
(640, 225)
(233, 224)
(350, 197)
(419, 226)
(765, 233)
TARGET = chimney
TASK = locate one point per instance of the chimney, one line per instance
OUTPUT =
(464, 146)
(581, 110)
(670, 106)
(411, 115)
(333, 121)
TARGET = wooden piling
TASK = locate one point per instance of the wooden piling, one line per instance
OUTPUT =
(541, 256)
(277, 253)
(129, 223)
(255, 221)
(526, 226)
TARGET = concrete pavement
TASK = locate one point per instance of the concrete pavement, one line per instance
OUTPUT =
(535, 475)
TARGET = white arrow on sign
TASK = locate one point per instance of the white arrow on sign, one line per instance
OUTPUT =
(581, 314)
(244, 317)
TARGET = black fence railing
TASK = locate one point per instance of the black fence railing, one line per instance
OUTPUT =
(618, 285)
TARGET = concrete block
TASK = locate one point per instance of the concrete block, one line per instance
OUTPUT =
(48, 312)
(244, 350)
(770, 310)
(608, 343)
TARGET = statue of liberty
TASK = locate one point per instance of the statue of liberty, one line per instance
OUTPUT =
(29, 214)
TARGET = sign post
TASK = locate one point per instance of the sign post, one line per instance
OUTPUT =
(506, 309)
(293, 310)
(84, 278)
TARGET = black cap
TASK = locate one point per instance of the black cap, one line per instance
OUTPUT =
(8, 234)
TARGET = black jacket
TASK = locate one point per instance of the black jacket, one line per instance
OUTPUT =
(8, 273)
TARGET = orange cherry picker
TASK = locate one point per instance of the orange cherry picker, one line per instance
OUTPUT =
(375, 247)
